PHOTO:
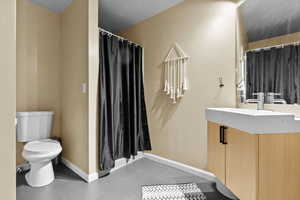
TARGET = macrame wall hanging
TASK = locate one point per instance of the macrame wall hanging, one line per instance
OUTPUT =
(175, 73)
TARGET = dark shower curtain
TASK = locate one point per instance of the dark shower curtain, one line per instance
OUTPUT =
(275, 70)
(123, 118)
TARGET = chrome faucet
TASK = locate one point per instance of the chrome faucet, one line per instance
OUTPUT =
(272, 100)
(260, 100)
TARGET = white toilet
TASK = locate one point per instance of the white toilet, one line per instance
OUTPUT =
(35, 128)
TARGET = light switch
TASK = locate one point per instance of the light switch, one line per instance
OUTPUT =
(84, 88)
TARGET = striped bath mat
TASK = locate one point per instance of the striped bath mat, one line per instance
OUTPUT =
(186, 191)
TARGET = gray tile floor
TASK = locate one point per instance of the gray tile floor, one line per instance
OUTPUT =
(123, 184)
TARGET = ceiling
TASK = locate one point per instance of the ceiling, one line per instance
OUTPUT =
(54, 5)
(270, 18)
(116, 15)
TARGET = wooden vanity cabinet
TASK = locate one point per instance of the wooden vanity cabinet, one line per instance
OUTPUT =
(254, 166)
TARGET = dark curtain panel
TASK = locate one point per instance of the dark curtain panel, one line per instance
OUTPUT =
(123, 118)
(275, 70)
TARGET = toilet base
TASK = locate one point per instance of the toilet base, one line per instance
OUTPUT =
(40, 174)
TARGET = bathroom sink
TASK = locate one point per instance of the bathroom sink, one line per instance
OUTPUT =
(254, 121)
(251, 112)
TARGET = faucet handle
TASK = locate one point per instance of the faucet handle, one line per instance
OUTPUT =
(260, 96)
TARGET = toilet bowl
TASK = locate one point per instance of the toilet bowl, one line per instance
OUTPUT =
(39, 154)
(35, 129)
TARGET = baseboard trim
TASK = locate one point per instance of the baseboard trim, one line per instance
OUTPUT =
(85, 176)
(122, 162)
(181, 166)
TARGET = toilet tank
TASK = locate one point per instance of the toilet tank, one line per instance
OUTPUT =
(34, 125)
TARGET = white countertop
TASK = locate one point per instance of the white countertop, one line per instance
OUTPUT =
(254, 121)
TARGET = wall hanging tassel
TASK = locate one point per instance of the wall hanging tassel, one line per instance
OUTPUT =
(175, 73)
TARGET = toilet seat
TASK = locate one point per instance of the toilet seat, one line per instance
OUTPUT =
(42, 146)
(41, 150)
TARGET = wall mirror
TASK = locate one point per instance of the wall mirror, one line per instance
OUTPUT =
(268, 38)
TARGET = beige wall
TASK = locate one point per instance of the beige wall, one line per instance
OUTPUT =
(8, 99)
(206, 31)
(284, 39)
(242, 38)
(38, 62)
(56, 54)
(74, 23)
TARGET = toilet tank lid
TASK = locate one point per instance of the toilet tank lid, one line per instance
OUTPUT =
(35, 113)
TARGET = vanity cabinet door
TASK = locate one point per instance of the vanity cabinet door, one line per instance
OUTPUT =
(242, 164)
(216, 151)
(279, 166)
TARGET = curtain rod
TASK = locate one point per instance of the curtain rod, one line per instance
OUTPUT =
(275, 46)
(119, 37)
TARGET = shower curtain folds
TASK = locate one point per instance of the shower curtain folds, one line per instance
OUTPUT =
(123, 119)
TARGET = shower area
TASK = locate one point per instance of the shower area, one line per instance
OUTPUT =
(123, 125)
